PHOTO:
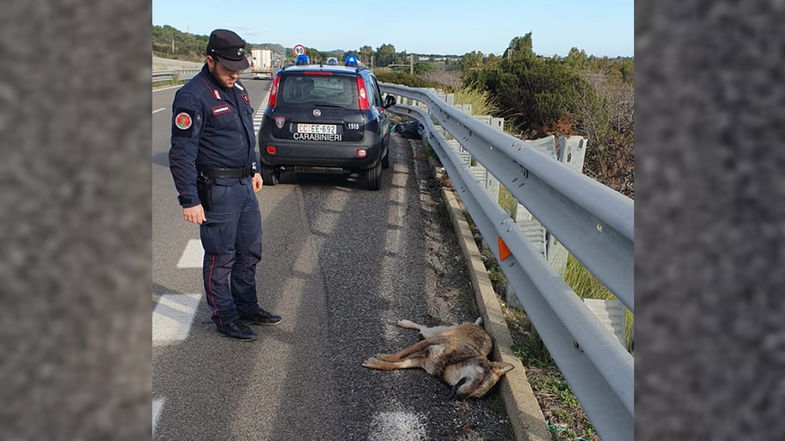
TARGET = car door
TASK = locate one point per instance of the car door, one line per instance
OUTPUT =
(378, 103)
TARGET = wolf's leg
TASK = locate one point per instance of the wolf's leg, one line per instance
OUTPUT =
(375, 363)
(409, 325)
(417, 350)
(427, 332)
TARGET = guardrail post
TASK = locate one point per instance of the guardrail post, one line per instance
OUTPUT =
(465, 108)
(611, 314)
(497, 123)
(571, 152)
(486, 119)
(488, 182)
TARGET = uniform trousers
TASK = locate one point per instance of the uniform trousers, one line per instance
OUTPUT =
(232, 242)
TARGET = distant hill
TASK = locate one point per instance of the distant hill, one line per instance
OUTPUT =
(171, 43)
(168, 42)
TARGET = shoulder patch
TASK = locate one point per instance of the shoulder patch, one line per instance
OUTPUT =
(183, 121)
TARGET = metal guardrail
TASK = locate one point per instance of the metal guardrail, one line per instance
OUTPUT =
(170, 75)
(592, 221)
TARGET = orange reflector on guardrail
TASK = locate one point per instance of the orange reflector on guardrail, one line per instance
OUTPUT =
(504, 252)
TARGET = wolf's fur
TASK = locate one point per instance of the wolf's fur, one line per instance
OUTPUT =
(458, 354)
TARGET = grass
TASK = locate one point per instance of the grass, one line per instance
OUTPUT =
(507, 201)
(481, 101)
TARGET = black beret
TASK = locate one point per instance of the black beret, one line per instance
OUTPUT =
(228, 48)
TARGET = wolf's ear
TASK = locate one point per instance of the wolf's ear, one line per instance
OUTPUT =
(500, 367)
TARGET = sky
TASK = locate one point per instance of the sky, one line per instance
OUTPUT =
(599, 27)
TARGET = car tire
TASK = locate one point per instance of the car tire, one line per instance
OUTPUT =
(386, 160)
(373, 177)
(269, 175)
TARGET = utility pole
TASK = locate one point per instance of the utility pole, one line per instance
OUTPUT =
(172, 45)
(371, 61)
(411, 64)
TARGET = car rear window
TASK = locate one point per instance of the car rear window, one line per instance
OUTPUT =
(321, 90)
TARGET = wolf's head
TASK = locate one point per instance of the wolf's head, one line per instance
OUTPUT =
(478, 376)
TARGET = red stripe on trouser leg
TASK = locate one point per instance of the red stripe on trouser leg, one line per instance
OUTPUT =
(210, 291)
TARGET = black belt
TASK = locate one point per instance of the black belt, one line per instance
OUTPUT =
(220, 172)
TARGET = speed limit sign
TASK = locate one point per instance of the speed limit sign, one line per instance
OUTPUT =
(298, 50)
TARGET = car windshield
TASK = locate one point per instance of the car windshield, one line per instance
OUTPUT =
(321, 90)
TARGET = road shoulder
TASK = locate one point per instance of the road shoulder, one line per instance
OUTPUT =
(521, 405)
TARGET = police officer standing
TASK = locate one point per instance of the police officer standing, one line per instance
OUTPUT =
(214, 166)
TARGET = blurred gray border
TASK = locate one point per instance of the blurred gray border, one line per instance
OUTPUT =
(76, 221)
(710, 205)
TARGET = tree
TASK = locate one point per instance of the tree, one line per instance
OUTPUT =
(421, 68)
(314, 56)
(385, 55)
(471, 60)
(537, 92)
(576, 58)
(520, 49)
(365, 53)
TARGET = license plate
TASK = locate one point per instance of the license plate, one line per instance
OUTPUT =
(329, 129)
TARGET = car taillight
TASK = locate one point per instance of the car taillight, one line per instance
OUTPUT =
(364, 104)
(274, 91)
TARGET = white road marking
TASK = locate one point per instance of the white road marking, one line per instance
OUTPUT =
(167, 88)
(193, 255)
(397, 426)
(157, 407)
(258, 117)
(158, 110)
(172, 317)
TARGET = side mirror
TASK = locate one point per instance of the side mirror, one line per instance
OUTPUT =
(389, 101)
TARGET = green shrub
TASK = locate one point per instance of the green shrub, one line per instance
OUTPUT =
(404, 78)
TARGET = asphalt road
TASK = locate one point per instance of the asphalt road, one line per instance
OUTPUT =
(341, 264)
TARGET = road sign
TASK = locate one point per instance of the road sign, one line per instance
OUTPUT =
(298, 50)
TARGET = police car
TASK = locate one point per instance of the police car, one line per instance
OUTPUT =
(323, 117)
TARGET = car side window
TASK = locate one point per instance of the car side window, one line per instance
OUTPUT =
(373, 91)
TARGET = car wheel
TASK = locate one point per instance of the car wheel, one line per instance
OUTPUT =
(269, 175)
(386, 160)
(373, 177)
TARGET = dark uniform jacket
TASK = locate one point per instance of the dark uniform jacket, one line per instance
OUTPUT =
(211, 127)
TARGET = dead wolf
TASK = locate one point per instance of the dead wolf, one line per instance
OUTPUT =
(458, 354)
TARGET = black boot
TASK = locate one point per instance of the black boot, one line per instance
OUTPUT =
(262, 318)
(237, 330)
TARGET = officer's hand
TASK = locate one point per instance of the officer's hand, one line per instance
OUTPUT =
(194, 215)
(257, 182)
